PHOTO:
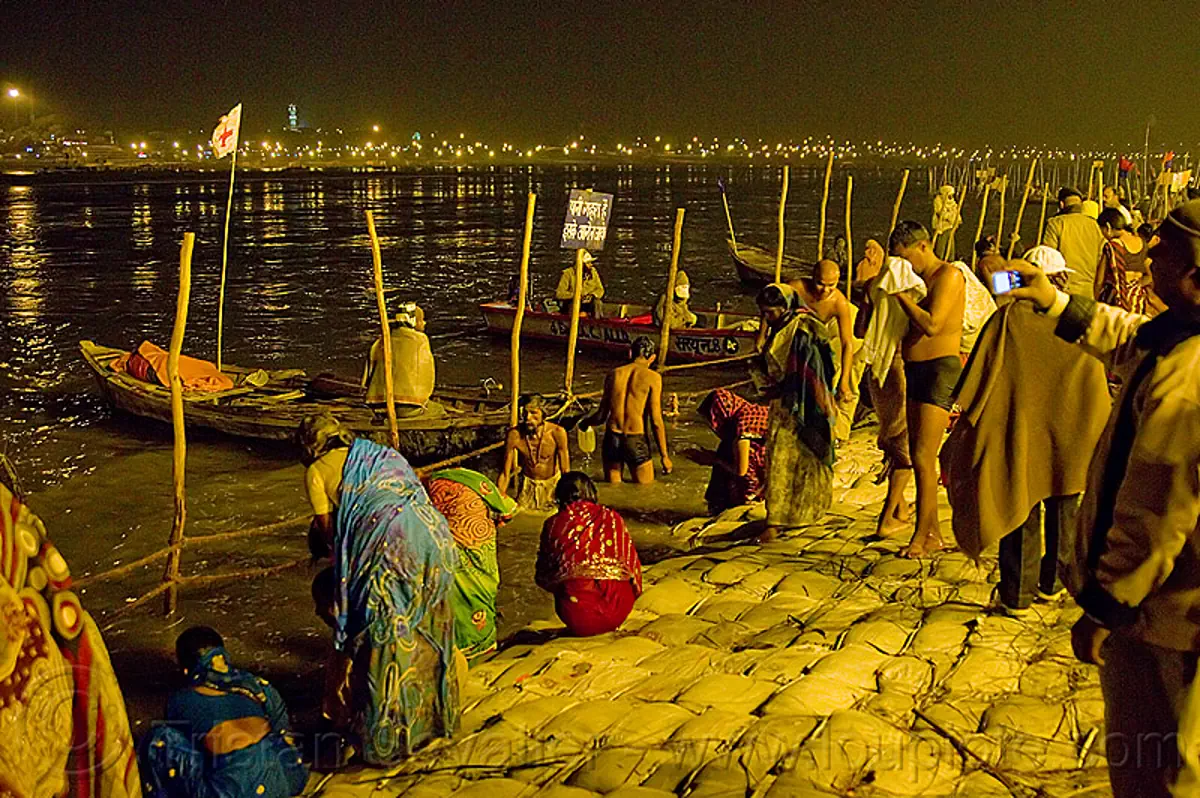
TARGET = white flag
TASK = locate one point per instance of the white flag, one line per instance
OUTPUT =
(225, 135)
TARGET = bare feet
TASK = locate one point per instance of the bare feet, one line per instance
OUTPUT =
(925, 544)
(895, 522)
(767, 535)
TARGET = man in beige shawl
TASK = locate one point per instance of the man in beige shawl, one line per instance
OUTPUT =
(1033, 408)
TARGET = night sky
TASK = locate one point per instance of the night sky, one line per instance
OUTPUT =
(962, 73)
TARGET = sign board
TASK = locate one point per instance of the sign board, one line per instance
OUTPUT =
(1181, 180)
(587, 219)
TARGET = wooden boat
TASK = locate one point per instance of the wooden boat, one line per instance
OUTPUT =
(756, 266)
(716, 335)
(466, 418)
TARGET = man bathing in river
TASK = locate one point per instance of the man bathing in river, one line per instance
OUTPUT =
(540, 448)
(629, 392)
(931, 369)
(821, 293)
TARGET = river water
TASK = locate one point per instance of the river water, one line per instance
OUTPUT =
(99, 260)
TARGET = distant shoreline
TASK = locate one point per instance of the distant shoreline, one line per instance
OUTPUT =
(16, 173)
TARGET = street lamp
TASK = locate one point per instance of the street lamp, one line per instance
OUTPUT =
(14, 94)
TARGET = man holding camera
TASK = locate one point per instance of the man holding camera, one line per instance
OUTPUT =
(1136, 567)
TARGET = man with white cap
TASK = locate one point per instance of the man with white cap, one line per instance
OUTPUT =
(1136, 567)
(413, 371)
(592, 290)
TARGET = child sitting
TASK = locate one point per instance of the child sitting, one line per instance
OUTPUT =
(225, 735)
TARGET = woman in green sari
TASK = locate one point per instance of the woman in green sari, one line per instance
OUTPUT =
(473, 506)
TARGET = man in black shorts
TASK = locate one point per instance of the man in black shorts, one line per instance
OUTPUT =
(931, 370)
(629, 392)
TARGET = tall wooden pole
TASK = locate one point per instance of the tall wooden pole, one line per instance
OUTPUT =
(849, 237)
(782, 206)
(1000, 226)
(664, 341)
(899, 199)
(979, 230)
(1042, 220)
(573, 336)
(824, 205)
(385, 339)
(179, 459)
(522, 294)
(1021, 210)
(225, 256)
(1091, 178)
(729, 219)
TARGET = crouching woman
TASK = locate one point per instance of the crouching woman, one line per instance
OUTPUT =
(587, 560)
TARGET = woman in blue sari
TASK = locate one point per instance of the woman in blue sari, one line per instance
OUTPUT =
(392, 683)
(226, 733)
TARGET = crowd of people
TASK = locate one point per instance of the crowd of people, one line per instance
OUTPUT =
(1053, 396)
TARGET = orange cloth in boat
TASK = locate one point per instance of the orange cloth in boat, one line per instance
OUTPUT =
(195, 374)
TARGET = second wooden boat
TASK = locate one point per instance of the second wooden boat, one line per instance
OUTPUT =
(755, 266)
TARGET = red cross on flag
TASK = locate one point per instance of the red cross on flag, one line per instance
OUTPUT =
(225, 135)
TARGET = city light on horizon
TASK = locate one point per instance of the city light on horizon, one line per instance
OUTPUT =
(14, 93)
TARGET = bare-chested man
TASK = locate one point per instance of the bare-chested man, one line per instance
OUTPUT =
(821, 293)
(629, 391)
(931, 370)
(539, 447)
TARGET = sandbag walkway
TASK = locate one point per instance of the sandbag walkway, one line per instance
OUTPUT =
(822, 664)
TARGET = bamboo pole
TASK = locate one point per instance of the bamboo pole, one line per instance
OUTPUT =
(522, 294)
(699, 364)
(225, 254)
(824, 206)
(573, 336)
(782, 206)
(729, 219)
(1042, 220)
(899, 199)
(849, 237)
(179, 459)
(1021, 211)
(1091, 178)
(664, 340)
(1000, 226)
(979, 230)
(385, 340)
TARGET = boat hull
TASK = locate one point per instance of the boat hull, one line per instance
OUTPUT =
(471, 419)
(616, 335)
(755, 266)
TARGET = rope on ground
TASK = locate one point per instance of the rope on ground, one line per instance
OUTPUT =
(725, 361)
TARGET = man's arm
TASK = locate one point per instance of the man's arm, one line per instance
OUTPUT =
(600, 416)
(1156, 510)
(510, 461)
(846, 336)
(596, 286)
(566, 285)
(1103, 331)
(564, 449)
(948, 293)
(656, 420)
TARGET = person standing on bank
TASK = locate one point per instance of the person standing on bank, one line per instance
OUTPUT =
(798, 382)
(1135, 571)
(931, 370)
(1078, 238)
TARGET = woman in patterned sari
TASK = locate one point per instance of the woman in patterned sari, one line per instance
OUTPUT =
(799, 382)
(473, 506)
(740, 473)
(392, 683)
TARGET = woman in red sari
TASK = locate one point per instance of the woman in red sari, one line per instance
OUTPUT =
(1123, 275)
(587, 560)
